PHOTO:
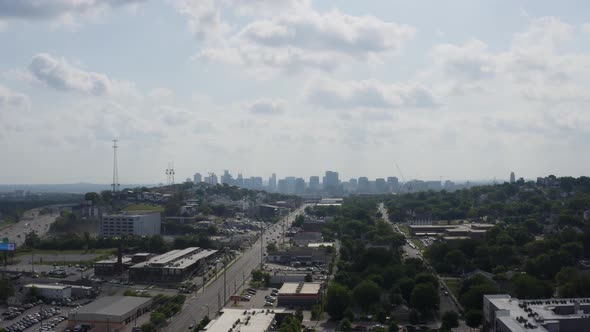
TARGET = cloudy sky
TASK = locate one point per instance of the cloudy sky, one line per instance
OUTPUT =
(458, 89)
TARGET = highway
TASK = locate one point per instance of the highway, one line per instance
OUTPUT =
(31, 220)
(210, 300)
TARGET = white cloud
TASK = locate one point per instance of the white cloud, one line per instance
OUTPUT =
(10, 99)
(66, 11)
(265, 107)
(58, 74)
(333, 94)
(307, 39)
(174, 116)
(586, 28)
(204, 18)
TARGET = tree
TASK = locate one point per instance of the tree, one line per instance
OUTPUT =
(6, 289)
(148, 327)
(345, 325)
(473, 318)
(450, 319)
(424, 297)
(366, 294)
(337, 300)
(290, 324)
(157, 318)
(32, 240)
(393, 327)
(271, 247)
(529, 287)
(308, 278)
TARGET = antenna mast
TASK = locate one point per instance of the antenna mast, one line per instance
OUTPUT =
(115, 185)
(170, 174)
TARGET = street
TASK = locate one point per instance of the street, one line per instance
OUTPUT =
(211, 299)
(31, 221)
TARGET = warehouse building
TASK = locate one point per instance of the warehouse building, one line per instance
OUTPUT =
(173, 266)
(303, 294)
(503, 313)
(251, 320)
(110, 313)
(128, 223)
(52, 291)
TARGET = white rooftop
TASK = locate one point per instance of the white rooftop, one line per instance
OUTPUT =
(48, 286)
(258, 320)
(300, 288)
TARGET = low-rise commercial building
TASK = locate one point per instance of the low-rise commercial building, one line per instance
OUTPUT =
(110, 313)
(303, 294)
(451, 232)
(300, 256)
(302, 239)
(251, 320)
(128, 223)
(503, 313)
(173, 266)
(51, 291)
(109, 267)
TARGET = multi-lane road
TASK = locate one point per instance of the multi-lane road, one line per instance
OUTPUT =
(210, 300)
(31, 221)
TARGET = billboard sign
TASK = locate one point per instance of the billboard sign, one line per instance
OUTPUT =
(7, 246)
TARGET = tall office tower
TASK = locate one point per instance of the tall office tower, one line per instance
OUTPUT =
(213, 179)
(282, 186)
(380, 186)
(197, 178)
(299, 186)
(256, 182)
(240, 181)
(272, 182)
(331, 180)
(314, 183)
(226, 178)
(363, 185)
(290, 182)
(392, 184)
(352, 185)
(512, 177)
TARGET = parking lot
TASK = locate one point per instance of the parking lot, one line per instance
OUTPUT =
(34, 317)
(258, 299)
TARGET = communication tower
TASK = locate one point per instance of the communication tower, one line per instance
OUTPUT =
(170, 174)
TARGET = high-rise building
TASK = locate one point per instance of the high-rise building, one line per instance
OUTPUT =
(363, 185)
(272, 182)
(380, 186)
(512, 177)
(392, 183)
(240, 180)
(314, 183)
(282, 186)
(197, 178)
(256, 182)
(290, 182)
(213, 179)
(331, 181)
(299, 186)
(226, 178)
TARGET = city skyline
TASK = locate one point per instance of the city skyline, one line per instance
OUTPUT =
(462, 90)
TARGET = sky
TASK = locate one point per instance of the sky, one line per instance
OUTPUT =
(457, 89)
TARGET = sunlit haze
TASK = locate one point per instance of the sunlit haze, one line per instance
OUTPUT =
(466, 90)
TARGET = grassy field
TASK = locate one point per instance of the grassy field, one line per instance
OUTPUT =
(67, 252)
(143, 207)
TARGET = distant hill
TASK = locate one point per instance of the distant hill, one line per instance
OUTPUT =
(76, 188)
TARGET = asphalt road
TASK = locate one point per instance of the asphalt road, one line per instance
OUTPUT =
(30, 221)
(211, 299)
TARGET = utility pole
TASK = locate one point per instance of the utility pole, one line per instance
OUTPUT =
(115, 185)
(224, 278)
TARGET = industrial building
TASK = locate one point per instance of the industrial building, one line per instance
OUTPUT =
(110, 313)
(503, 313)
(251, 320)
(302, 239)
(302, 294)
(131, 223)
(173, 266)
(52, 291)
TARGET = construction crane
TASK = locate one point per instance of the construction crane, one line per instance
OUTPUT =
(403, 178)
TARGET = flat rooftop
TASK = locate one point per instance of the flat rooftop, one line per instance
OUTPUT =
(177, 259)
(300, 288)
(113, 306)
(48, 286)
(114, 260)
(544, 310)
(258, 320)
(319, 244)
